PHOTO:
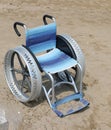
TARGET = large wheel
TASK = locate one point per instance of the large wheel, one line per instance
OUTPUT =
(67, 44)
(22, 74)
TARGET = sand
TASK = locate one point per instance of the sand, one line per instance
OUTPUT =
(89, 23)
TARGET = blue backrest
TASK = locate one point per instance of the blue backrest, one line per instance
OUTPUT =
(41, 38)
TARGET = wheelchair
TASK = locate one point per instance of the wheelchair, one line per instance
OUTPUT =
(46, 56)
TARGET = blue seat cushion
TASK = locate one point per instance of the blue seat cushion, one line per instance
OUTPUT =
(41, 38)
(55, 61)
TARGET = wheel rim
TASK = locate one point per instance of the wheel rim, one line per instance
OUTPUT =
(79, 55)
(22, 74)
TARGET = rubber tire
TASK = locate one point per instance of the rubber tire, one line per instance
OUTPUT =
(35, 75)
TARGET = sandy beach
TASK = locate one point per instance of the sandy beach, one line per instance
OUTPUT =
(89, 23)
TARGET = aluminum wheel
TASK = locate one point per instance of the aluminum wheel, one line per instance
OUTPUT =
(22, 74)
(79, 56)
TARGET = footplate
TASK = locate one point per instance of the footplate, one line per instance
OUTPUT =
(79, 105)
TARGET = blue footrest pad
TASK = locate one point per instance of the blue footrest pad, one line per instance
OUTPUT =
(82, 103)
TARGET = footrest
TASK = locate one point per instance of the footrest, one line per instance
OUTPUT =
(79, 105)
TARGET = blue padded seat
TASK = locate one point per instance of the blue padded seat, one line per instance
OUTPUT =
(55, 61)
(43, 38)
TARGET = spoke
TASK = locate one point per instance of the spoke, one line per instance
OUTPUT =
(20, 61)
(25, 85)
(26, 72)
(23, 80)
(17, 70)
(28, 83)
